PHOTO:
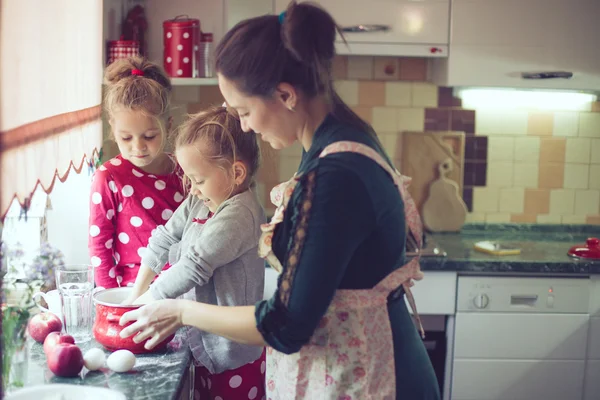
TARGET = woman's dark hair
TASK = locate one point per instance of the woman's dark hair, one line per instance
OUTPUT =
(259, 53)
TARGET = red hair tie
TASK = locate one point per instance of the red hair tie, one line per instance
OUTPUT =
(137, 72)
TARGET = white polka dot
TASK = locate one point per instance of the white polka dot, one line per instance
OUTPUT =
(263, 367)
(141, 251)
(115, 161)
(95, 261)
(127, 191)
(209, 383)
(178, 197)
(203, 381)
(130, 265)
(169, 59)
(148, 203)
(160, 185)
(112, 272)
(186, 60)
(113, 186)
(166, 214)
(195, 48)
(94, 230)
(186, 35)
(96, 198)
(137, 173)
(119, 280)
(218, 398)
(179, 72)
(152, 176)
(102, 168)
(169, 35)
(123, 238)
(117, 257)
(253, 393)
(130, 284)
(110, 213)
(120, 207)
(179, 47)
(136, 221)
(109, 244)
(235, 381)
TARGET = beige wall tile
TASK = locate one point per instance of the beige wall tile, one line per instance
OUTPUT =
(573, 219)
(594, 182)
(527, 149)
(501, 148)
(595, 152)
(495, 122)
(485, 199)
(548, 219)
(186, 94)
(497, 218)
(475, 217)
(339, 68)
(566, 123)
(386, 68)
(540, 124)
(360, 67)
(385, 119)
(595, 106)
(536, 201)
(523, 218)
(390, 141)
(288, 166)
(398, 94)
(589, 124)
(413, 68)
(551, 176)
(552, 150)
(587, 202)
(365, 112)
(371, 93)
(411, 119)
(424, 94)
(562, 202)
(512, 200)
(348, 91)
(576, 176)
(578, 150)
(593, 219)
(500, 174)
(526, 175)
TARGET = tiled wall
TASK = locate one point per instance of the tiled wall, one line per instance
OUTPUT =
(520, 165)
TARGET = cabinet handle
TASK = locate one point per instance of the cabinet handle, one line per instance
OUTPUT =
(366, 28)
(547, 75)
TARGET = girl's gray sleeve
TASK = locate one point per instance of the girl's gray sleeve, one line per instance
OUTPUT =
(230, 235)
(156, 254)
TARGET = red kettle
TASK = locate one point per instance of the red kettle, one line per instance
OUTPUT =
(591, 249)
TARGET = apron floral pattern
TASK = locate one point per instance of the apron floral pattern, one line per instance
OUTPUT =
(348, 357)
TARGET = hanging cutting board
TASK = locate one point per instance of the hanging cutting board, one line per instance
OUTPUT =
(444, 210)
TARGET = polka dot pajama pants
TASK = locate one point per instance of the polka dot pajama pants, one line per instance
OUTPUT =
(245, 382)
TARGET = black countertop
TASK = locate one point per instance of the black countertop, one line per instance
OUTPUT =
(543, 249)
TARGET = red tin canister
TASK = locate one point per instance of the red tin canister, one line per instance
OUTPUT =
(116, 49)
(181, 38)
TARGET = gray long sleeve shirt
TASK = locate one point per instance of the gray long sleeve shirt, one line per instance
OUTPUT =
(215, 261)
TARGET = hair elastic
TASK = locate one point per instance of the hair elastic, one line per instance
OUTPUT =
(281, 17)
(137, 72)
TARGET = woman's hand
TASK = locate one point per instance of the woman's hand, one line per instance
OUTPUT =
(156, 321)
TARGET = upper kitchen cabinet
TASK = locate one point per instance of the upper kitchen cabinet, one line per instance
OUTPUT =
(389, 27)
(493, 42)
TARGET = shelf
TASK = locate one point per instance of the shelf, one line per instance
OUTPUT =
(194, 81)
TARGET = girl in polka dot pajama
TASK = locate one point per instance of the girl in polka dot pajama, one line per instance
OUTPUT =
(211, 243)
(139, 189)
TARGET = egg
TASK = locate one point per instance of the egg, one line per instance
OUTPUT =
(121, 361)
(93, 359)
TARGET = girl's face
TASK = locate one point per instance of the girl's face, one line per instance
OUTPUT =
(267, 117)
(210, 182)
(139, 137)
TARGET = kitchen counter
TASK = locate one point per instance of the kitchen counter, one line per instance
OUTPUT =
(158, 376)
(543, 249)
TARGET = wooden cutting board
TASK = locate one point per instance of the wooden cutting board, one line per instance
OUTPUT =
(444, 210)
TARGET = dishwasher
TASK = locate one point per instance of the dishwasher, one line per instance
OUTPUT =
(520, 338)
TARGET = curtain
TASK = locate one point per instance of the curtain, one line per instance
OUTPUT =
(50, 93)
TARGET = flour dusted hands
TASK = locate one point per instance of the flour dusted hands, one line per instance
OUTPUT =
(156, 321)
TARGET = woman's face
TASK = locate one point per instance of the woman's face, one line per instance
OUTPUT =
(267, 117)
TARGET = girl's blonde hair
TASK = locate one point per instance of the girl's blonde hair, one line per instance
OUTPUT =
(140, 85)
(224, 141)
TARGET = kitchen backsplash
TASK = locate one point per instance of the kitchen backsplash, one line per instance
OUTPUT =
(520, 165)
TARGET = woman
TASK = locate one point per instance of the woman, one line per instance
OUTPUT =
(338, 326)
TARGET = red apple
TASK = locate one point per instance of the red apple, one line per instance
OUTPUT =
(65, 360)
(40, 325)
(55, 337)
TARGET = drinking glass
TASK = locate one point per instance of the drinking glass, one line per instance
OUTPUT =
(75, 284)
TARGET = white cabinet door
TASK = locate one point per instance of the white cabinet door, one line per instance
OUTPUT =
(592, 368)
(435, 294)
(493, 42)
(238, 10)
(415, 27)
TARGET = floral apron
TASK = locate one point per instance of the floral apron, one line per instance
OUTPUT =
(348, 357)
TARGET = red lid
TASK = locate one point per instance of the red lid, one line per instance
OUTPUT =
(206, 37)
(125, 43)
(591, 249)
(181, 21)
